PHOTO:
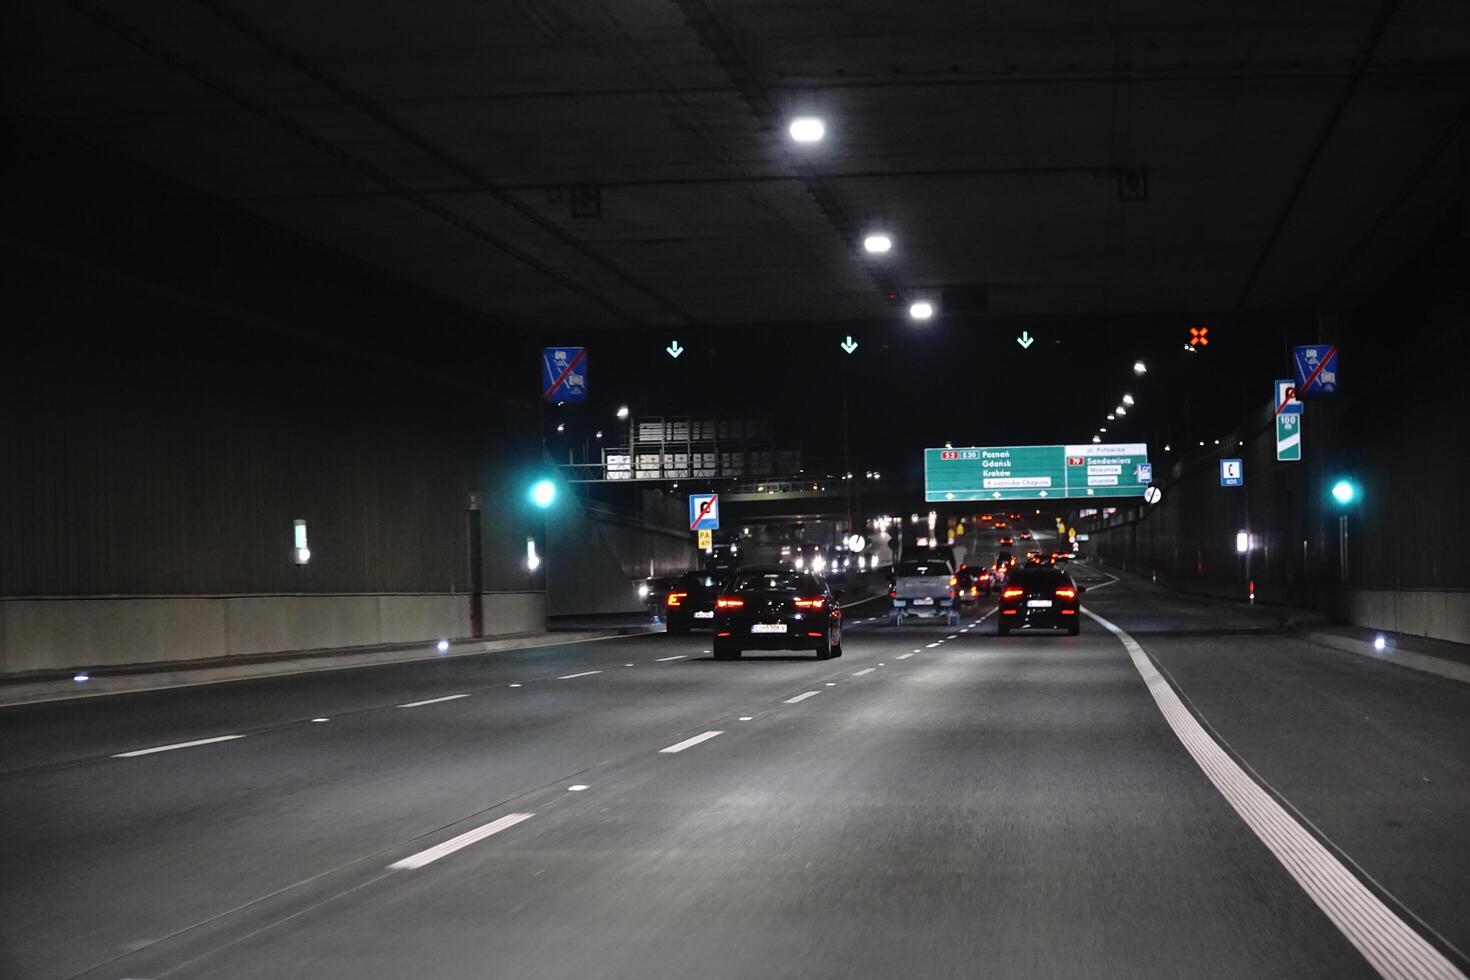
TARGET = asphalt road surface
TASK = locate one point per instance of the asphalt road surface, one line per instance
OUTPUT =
(939, 802)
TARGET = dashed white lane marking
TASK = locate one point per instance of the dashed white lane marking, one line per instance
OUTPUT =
(420, 704)
(916, 650)
(802, 697)
(747, 718)
(515, 685)
(576, 787)
(177, 745)
(456, 843)
(930, 646)
(904, 656)
(320, 720)
(865, 670)
(627, 665)
(952, 636)
(663, 659)
(831, 683)
(690, 742)
(572, 677)
(1387, 942)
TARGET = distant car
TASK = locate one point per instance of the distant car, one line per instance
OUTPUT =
(1005, 559)
(1006, 539)
(772, 607)
(654, 591)
(690, 602)
(1039, 598)
(1000, 524)
(1025, 535)
(1014, 517)
(987, 517)
(971, 583)
(1061, 556)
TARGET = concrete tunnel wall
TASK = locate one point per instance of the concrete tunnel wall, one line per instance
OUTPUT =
(180, 384)
(1397, 429)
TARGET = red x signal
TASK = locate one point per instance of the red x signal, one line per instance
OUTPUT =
(1199, 336)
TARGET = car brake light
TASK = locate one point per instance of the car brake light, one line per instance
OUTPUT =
(1066, 593)
(675, 598)
(728, 602)
(893, 593)
(816, 603)
(1012, 593)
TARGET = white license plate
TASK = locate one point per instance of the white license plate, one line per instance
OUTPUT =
(1039, 603)
(924, 602)
(706, 614)
(768, 627)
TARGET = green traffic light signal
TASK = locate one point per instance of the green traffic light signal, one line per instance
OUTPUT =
(543, 492)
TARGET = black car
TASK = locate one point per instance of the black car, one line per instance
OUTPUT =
(654, 591)
(1039, 597)
(690, 602)
(773, 607)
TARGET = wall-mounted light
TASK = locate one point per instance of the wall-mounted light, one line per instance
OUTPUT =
(300, 552)
(533, 560)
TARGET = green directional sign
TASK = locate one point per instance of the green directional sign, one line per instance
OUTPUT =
(1037, 472)
(1289, 437)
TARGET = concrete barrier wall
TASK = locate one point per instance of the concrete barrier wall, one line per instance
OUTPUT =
(1437, 615)
(63, 633)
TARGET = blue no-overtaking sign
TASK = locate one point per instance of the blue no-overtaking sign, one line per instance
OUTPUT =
(564, 374)
(1315, 367)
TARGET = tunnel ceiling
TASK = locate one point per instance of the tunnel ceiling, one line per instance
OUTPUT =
(1287, 155)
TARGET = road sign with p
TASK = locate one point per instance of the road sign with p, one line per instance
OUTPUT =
(704, 512)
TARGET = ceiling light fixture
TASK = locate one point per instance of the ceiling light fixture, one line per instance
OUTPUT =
(921, 310)
(807, 129)
(877, 243)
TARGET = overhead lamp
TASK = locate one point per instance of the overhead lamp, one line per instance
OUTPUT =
(1140, 368)
(1097, 438)
(1102, 428)
(1120, 410)
(1111, 418)
(622, 411)
(921, 310)
(561, 427)
(807, 129)
(1128, 400)
(877, 243)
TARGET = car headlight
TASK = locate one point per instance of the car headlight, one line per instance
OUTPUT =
(643, 590)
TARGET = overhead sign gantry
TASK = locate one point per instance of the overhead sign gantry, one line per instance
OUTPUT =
(1036, 472)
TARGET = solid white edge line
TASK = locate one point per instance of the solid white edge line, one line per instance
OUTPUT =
(660, 660)
(801, 697)
(177, 745)
(420, 704)
(1388, 943)
(585, 673)
(690, 742)
(455, 843)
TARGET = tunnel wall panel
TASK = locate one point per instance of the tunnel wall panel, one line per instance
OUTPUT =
(1396, 430)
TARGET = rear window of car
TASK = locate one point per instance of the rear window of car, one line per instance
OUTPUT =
(928, 566)
(699, 581)
(1038, 576)
(774, 581)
